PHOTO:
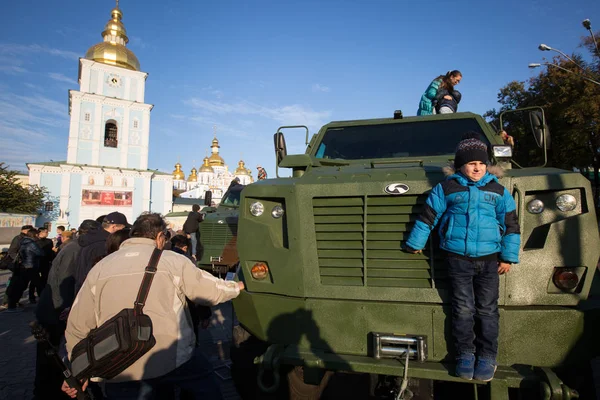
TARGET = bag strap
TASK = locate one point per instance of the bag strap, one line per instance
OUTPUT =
(142, 295)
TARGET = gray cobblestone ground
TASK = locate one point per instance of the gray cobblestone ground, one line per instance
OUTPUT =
(17, 349)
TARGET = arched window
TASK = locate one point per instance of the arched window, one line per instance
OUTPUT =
(110, 133)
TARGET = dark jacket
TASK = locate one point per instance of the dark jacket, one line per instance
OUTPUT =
(192, 222)
(93, 249)
(59, 292)
(476, 219)
(13, 249)
(452, 104)
(30, 253)
(46, 245)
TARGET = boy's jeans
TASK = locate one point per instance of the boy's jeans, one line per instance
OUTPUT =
(475, 299)
(194, 240)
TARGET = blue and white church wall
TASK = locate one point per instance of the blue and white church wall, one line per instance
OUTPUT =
(85, 192)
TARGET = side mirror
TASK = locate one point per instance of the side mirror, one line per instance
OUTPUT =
(539, 129)
(280, 147)
(207, 198)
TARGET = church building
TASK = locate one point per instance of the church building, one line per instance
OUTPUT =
(109, 135)
(212, 176)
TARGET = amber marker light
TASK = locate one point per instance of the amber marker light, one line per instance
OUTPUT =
(259, 271)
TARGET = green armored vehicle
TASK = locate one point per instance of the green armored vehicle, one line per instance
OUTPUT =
(218, 233)
(329, 287)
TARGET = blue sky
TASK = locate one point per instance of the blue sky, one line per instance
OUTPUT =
(250, 66)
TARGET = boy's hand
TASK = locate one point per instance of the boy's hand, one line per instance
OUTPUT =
(448, 97)
(503, 267)
(413, 251)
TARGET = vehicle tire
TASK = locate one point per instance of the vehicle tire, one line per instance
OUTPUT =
(298, 390)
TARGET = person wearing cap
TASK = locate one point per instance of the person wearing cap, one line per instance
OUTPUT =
(93, 244)
(57, 296)
(480, 234)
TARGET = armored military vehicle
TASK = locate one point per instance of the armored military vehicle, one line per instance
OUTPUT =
(218, 233)
(329, 287)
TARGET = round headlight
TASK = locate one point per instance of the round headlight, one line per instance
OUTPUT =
(566, 202)
(277, 212)
(535, 206)
(257, 208)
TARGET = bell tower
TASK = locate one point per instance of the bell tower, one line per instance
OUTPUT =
(109, 121)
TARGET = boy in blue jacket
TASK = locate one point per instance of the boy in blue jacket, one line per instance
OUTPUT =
(480, 234)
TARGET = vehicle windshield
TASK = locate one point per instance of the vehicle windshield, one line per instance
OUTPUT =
(232, 197)
(410, 139)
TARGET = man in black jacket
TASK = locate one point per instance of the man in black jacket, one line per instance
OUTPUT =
(13, 250)
(93, 245)
(52, 310)
(46, 261)
(191, 225)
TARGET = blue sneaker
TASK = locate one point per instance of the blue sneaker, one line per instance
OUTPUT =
(465, 364)
(485, 369)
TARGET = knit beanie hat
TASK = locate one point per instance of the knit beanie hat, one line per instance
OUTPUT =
(470, 148)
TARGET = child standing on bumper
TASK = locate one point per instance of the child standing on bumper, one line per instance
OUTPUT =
(480, 234)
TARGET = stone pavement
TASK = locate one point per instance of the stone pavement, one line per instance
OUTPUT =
(17, 349)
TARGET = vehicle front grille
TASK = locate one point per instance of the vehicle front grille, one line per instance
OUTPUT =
(215, 234)
(359, 242)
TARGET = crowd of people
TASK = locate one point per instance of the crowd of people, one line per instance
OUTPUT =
(82, 278)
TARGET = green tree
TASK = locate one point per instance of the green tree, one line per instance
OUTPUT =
(16, 198)
(572, 108)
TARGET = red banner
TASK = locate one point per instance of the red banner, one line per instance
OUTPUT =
(106, 198)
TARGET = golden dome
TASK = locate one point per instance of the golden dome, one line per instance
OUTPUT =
(178, 174)
(193, 177)
(206, 167)
(215, 160)
(241, 170)
(112, 50)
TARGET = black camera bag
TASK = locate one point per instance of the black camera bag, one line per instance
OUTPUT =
(120, 341)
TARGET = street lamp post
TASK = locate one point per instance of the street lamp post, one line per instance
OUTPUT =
(545, 47)
(537, 65)
(587, 24)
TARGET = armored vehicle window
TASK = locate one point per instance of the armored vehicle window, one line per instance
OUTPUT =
(409, 139)
(232, 197)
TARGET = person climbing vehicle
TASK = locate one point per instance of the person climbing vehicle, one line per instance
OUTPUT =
(446, 82)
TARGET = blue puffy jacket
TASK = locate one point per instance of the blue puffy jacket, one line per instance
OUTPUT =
(426, 104)
(476, 219)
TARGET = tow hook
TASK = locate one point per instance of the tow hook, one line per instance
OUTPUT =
(552, 388)
(269, 362)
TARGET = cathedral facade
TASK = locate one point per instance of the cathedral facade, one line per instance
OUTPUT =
(107, 153)
(212, 176)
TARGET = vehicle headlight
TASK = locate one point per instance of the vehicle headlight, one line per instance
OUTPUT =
(535, 206)
(257, 208)
(566, 202)
(277, 212)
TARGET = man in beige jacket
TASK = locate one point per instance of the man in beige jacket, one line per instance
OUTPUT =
(113, 284)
